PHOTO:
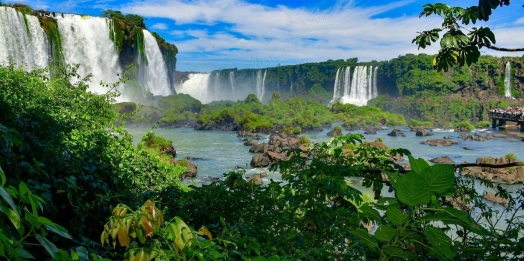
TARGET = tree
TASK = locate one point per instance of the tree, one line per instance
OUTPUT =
(460, 45)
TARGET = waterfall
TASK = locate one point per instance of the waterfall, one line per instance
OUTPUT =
(25, 43)
(232, 81)
(197, 86)
(263, 85)
(153, 71)
(375, 88)
(291, 85)
(507, 81)
(216, 84)
(336, 88)
(85, 41)
(361, 88)
(260, 84)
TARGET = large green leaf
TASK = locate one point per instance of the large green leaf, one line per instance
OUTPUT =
(366, 238)
(395, 251)
(440, 242)
(5, 195)
(395, 215)
(48, 245)
(413, 189)
(440, 177)
(418, 165)
(385, 233)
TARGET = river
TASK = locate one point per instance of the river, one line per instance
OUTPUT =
(217, 152)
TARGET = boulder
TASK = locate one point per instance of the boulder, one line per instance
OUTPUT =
(440, 142)
(257, 178)
(462, 129)
(334, 133)
(168, 150)
(371, 130)
(509, 175)
(259, 148)
(259, 161)
(467, 148)
(191, 171)
(490, 196)
(442, 160)
(274, 156)
(397, 133)
(423, 133)
(250, 143)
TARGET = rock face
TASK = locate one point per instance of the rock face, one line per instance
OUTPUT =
(442, 160)
(397, 133)
(440, 142)
(191, 171)
(509, 175)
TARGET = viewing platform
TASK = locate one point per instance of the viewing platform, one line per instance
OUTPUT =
(500, 119)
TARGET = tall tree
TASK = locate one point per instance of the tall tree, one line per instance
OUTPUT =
(459, 44)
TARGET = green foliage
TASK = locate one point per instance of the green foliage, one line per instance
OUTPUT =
(457, 48)
(61, 141)
(337, 128)
(465, 124)
(482, 124)
(420, 123)
(305, 140)
(297, 130)
(511, 156)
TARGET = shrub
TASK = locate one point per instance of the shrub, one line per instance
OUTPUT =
(465, 124)
(482, 124)
(511, 156)
(297, 130)
(337, 128)
(304, 140)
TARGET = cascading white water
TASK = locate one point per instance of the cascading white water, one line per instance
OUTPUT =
(263, 85)
(216, 84)
(232, 81)
(336, 88)
(154, 76)
(86, 41)
(375, 88)
(260, 84)
(507, 81)
(25, 43)
(197, 86)
(361, 88)
(347, 83)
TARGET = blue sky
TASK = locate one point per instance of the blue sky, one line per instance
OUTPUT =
(220, 34)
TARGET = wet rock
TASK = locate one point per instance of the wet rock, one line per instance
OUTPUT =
(397, 133)
(257, 178)
(509, 175)
(467, 148)
(334, 133)
(259, 161)
(259, 148)
(371, 130)
(490, 196)
(423, 133)
(191, 171)
(440, 142)
(250, 143)
(442, 160)
(461, 129)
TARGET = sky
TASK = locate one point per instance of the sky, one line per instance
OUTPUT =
(223, 34)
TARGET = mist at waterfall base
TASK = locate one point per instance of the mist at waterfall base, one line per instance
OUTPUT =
(357, 88)
(360, 89)
(210, 87)
(86, 41)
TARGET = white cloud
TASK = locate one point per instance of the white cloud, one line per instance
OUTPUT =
(159, 26)
(519, 21)
(254, 35)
